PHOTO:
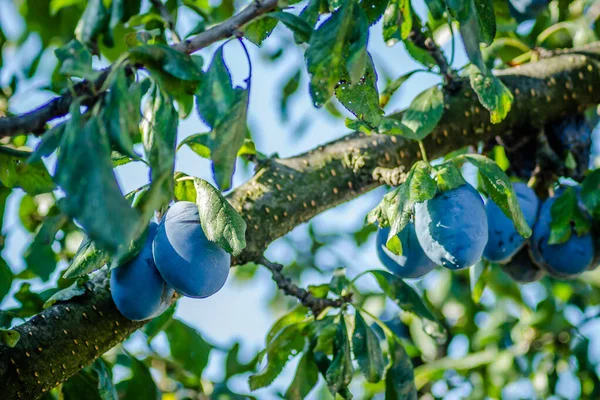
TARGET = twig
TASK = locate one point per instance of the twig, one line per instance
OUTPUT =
(316, 304)
(166, 15)
(35, 121)
(428, 44)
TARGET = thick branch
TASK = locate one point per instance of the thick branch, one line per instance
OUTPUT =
(35, 121)
(284, 193)
(315, 304)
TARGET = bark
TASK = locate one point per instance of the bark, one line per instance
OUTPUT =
(285, 193)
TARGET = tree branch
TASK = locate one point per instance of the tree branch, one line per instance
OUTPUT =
(315, 304)
(272, 205)
(35, 121)
(429, 45)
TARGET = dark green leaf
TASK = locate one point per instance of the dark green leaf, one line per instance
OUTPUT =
(306, 378)
(215, 94)
(76, 60)
(87, 259)
(499, 187)
(339, 281)
(484, 9)
(84, 171)
(566, 214)
(470, 31)
(220, 221)
(408, 300)
(141, 385)
(399, 377)
(436, 8)
(93, 23)
(39, 256)
(83, 385)
(233, 366)
(260, 29)
(358, 57)
(392, 126)
(76, 289)
(477, 279)
(367, 350)
(290, 87)
(17, 172)
(162, 57)
(362, 98)
(590, 193)
(461, 9)
(397, 21)
(419, 54)
(106, 388)
(302, 30)
(325, 55)
(31, 303)
(6, 278)
(492, 94)
(188, 348)
(373, 9)
(48, 144)
(288, 341)
(339, 373)
(392, 87)
(9, 337)
(424, 113)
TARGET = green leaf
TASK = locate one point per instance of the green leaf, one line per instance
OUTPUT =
(184, 189)
(76, 60)
(358, 57)
(362, 98)
(367, 350)
(424, 113)
(392, 87)
(234, 367)
(289, 88)
(566, 214)
(373, 9)
(6, 278)
(392, 126)
(48, 144)
(399, 377)
(159, 324)
(220, 221)
(302, 30)
(325, 55)
(106, 388)
(492, 94)
(339, 281)
(499, 187)
(84, 171)
(9, 337)
(287, 341)
(39, 256)
(484, 9)
(408, 300)
(590, 193)
(16, 172)
(461, 9)
(83, 385)
(339, 373)
(88, 258)
(397, 21)
(394, 245)
(188, 348)
(448, 176)
(478, 279)
(164, 58)
(471, 31)
(436, 8)
(305, 379)
(500, 157)
(76, 289)
(141, 385)
(297, 314)
(92, 23)
(260, 29)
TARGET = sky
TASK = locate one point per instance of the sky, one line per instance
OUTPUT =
(238, 311)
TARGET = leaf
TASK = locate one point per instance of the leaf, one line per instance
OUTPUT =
(188, 348)
(477, 279)
(93, 22)
(492, 94)
(367, 350)
(461, 9)
(288, 341)
(399, 377)
(159, 324)
(9, 337)
(106, 388)
(424, 113)
(185, 189)
(88, 258)
(302, 30)
(6, 278)
(392, 126)
(76, 289)
(325, 55)
(362, 98)
(408, 300)
(288, 89)
(392, 87)
(373, 9)
(260, 29)
(234, 367)
(163, 58)
(39, 256)
(16, 172)
(48, 144)
(358, 57)
(397, 21)
(76, 60)
(141, 385)
(84, 171)
(566, 214)
(339, 281)
(83, 385)
(220, 221)
(484, 9)
(470, 31)
(590, 193)
(436, 8)
(499, 187)
(448, 176)
(339, 373)
(305, 379)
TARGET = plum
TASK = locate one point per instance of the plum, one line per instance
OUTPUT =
(413, 263)
(572, 134)
(186, 259)
(522, 10)
(452, 228)
(503, 239)
(138, 290)
(565, 260)
(522, 269)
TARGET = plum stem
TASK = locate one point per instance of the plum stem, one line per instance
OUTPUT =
(315, 304)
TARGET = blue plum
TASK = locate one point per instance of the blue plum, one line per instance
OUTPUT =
(573, 134)
(565, 260)
(522, 269)
(452, 228)
(503, 239)
(413, 263)
(138, 290)
(186, 259)
(522, 10)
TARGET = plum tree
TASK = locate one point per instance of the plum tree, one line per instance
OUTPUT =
(503, 239)
(452, 228)
(523, 10)
(186, 259)
(138, 290)
(565, 260)
(522, 269)
(413, 263)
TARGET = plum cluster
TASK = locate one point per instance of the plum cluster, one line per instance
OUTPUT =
(456, 229)
(176, 256)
